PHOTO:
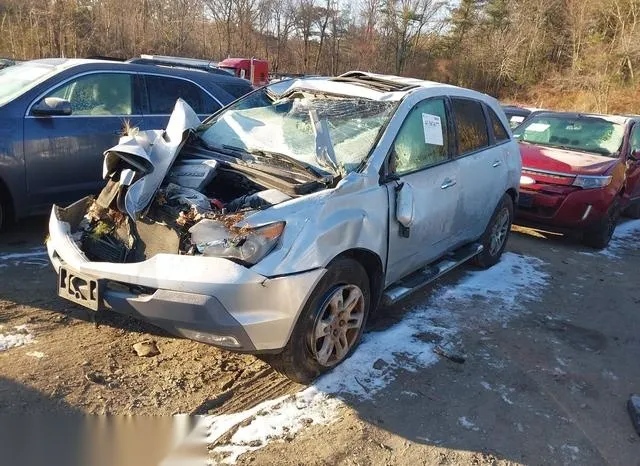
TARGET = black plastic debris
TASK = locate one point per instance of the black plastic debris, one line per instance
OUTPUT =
(104, 249)
(633, 406)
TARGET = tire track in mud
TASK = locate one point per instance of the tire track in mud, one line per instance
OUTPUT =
(246, 391)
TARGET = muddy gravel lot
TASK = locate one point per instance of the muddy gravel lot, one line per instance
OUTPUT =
(550, 340)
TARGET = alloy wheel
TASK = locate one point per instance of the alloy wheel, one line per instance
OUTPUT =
(499, 232)
(338, 325)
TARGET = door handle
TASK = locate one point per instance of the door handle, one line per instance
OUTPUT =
(447, 183)
(496, 163)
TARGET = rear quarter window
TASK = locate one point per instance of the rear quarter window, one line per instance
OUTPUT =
(499, 133)
(471, 126)
(237, 90)
(164, 91)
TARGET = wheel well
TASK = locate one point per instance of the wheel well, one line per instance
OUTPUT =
(514, 195)
(373, 266)
(8, 203)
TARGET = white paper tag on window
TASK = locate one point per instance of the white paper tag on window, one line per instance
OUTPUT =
(432, 129)
(537, 127)
(517, 119)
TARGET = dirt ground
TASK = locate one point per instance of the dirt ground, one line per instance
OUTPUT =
(547, 387)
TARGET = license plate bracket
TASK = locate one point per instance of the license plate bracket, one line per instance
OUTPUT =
(79, 289)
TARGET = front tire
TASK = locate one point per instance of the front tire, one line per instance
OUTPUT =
(330, 325)
(599, 235)
(494, 239)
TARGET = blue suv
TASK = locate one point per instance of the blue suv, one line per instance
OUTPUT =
(57, 117)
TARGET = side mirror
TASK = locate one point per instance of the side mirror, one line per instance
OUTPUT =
(404, 208)
(52, 106)
(635, 155)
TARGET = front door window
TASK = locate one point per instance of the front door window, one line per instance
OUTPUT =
(423, 139)
(98, 94)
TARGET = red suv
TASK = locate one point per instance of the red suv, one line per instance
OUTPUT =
(579, 172)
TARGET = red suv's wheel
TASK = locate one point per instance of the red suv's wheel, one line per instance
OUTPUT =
(599, 235)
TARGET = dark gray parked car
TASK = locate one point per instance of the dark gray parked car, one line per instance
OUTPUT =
(57, 116)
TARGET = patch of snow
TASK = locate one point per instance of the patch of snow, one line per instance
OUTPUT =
(274, 419)
(36, 354)
(34, 256)
(571, 450)
(13, 340)
(561, 361)
(500, 292)
(622, 236)
(558, 371)
(607, 374)
(467, 424)
(486, 385)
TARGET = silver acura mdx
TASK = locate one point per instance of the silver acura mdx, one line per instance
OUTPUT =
(279, 224)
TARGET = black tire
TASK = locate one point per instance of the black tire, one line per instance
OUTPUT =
(4, 212)
(491, 255)
(599, 235)
(633, 211)
(297, 361)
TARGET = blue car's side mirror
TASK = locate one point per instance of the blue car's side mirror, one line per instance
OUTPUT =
(52, 106)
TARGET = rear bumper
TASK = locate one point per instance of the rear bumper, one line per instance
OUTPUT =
(201, 298)
(575, 210)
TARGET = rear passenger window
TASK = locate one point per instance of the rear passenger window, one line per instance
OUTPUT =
(423, 138)
(498, 129)
(471, 125)
(164, 91)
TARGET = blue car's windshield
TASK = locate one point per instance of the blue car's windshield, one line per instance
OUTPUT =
(18, 79)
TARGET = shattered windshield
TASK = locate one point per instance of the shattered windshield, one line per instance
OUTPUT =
(18, 79)
(331, 133)
(581, 133)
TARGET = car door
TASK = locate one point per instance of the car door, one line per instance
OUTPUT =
(421, 158)
(64, 153)
(632, 184)
(480, 164)
(164, 91)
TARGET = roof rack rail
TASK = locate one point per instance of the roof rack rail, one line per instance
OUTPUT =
(104, 57)
(178, 62)
(375, 82)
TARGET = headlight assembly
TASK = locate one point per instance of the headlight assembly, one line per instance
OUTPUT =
(248, 245)
(591, 182)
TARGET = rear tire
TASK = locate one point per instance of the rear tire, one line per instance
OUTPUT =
(327, 332)
(599, 235)
(495, 237)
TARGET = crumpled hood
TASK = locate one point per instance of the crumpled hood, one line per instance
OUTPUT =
(152, 153)
(564, 161)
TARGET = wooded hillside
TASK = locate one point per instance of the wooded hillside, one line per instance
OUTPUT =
(581, 54)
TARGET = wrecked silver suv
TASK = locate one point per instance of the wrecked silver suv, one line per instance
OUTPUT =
(278, 225)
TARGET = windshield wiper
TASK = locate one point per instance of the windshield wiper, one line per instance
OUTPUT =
(291, 161)
(292, 164)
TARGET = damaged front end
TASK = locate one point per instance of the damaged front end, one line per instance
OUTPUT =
(170, 240)
(166, 193)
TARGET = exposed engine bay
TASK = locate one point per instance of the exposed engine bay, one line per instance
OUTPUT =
(165, 193)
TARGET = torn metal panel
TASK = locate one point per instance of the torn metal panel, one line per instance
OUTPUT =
(152, 153)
